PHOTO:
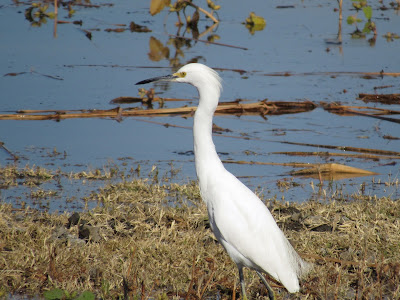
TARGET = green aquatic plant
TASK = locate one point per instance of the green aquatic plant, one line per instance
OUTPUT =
(369, 25)
(255, 23)
(156, 6)
(391, 36)
(56, 293)
(37, 14)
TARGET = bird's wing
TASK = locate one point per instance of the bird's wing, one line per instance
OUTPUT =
(246, 224)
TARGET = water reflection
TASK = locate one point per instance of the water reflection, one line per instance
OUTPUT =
(90, 74)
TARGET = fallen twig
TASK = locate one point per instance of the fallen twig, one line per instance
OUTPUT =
(127, 100)
(207, 42)
(381, 98)
(346, 148)
(380, 74)
(349, 110)
(331, 168)
(203, 11)
(345, 109)
(291, 164)
(56, 77)
(258, 108)
(329, 154)
(15, 157)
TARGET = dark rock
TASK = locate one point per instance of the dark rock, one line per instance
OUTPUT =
(73, 220)
(322, 228)
(89, 233)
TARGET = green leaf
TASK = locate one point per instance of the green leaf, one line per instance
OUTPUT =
(51, 15)
(157, 5)
(54, 294)
(86, 295)
(44, 8)
(367, 28)
(358, 35)
(255, 23)
(351, 20)
(212, 5)
(367, 12)
(255, 20)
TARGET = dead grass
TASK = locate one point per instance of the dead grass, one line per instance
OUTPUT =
(150, 248)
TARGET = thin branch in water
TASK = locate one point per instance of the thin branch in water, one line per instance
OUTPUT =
(15, 157)
(207, 42)
(365, 74)
(329, 154)
(203, 11)
(345, 148)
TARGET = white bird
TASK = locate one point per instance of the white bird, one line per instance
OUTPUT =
(239, 219)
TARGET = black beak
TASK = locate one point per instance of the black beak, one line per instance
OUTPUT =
(160, 78)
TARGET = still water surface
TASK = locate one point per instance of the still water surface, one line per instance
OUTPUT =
(95, 71)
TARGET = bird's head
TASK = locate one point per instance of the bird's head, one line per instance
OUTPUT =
(198, 75)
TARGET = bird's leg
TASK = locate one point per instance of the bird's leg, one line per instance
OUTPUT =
(270, 291)
(241, 278)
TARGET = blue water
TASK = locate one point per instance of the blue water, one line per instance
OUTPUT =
(93, 72)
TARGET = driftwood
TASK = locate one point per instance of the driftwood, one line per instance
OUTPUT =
(330, 154)
(129, 100)
(309, 168)
(244, 162)
(348, 148)
(351, 110)
(207, 42)
(258, 108)
(366, 75)
(372, 112)
(317, 169)
(381, 98)
(15, 157)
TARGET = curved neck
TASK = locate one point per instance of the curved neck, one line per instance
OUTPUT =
(206, 157)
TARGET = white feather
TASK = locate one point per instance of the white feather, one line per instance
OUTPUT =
(239, 219)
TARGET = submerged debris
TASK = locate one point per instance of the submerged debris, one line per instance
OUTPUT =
(138, 28)
(332, 171)
(381, 98)
(257, 108)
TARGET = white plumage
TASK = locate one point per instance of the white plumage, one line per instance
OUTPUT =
(239, 219)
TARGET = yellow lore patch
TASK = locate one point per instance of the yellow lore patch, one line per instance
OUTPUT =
(180, 74)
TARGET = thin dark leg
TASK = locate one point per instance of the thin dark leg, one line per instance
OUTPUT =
(241, 278)
(270, 291)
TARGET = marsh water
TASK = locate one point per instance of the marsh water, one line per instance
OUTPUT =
(304, 53)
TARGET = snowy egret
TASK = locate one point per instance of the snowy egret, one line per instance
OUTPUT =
(239, 219)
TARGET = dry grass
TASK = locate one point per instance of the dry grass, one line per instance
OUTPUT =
(150, 248)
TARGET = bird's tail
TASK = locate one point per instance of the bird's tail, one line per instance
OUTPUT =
(302, 267)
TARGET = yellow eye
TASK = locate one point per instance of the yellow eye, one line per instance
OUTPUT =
(180, 75)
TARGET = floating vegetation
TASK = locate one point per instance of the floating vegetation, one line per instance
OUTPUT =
(261, 108)
(366, 111)
(369, 26)
(332, 171)
(255, 23)
(381, 98)
(391, 36)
